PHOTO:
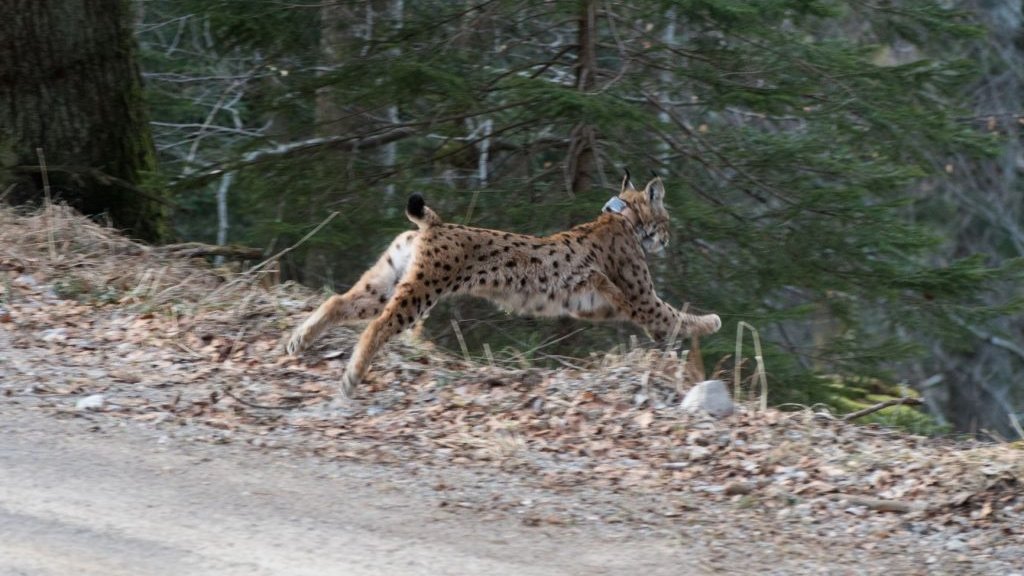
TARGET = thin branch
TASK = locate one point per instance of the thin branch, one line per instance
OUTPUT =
(294, 246)
(198, 249)
(303, 146)
(991, 338)
(881, 405)
(880, 504)
(227, 392)
(99, 176)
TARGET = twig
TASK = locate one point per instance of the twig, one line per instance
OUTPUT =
(462, 341)
(49, 204)
(293, 148)
(98, 176)
(198, 249)
(678, 327)
(880, 504)
(1015, 423)
(552, 342)
(294, 246)
(227, 392)
(881, 405)
(758, 359)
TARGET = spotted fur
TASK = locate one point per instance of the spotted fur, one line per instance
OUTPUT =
(595, 271)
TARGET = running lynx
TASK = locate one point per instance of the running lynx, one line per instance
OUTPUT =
(595, 271)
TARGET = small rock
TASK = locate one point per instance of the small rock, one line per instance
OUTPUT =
(710, 396)
(955, 545)
(639, 399)
(25, 281)
(54, 334)
(292, 304)
(698, 453)
(91, 402)
(738, 487)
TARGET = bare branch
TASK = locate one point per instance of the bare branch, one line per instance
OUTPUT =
(301, 147)
(198, 249)
(881, 405)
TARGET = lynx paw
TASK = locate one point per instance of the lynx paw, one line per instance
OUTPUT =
(712, 322)
(297, 343)
(348, 383)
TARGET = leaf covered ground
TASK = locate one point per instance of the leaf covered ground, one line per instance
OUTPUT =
(94, 325)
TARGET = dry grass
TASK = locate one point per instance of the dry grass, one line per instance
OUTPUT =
(86, 261)
(762, 379)
(92, 263)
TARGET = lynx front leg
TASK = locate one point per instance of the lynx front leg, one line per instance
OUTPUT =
(661, 320)
(335, 310)
(655, 315)
(401, 312)
(364, 301)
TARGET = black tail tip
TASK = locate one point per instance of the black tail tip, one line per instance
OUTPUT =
(416, 205)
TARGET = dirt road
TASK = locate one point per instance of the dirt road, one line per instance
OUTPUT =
(109, 502)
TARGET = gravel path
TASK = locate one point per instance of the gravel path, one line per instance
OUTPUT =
(79, 499)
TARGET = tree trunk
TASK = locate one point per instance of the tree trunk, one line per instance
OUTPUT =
(584, 137)
(70, 85)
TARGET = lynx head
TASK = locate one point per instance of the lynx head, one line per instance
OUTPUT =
(650, 217)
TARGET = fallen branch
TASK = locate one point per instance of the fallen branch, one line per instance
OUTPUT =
(881, 405)
(198, 250)
(227, 392)
(330, 217)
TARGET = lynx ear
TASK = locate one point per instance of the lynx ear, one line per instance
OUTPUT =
(655, 190)
(627, 183)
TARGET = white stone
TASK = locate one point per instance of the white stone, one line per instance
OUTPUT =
(54, 334)
(711, 396)
(955, 545)
(91, 402)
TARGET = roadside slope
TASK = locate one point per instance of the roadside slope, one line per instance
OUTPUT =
(149, 420)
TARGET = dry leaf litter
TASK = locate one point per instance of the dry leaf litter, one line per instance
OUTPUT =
(93, 322)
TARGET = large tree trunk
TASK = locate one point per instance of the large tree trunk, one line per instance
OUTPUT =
(584, 137)
(69, 84)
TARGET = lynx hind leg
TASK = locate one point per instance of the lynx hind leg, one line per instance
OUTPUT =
(410, 303)
(365, 300)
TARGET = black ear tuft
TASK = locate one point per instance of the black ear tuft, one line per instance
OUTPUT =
(627, 182)
(416, 205)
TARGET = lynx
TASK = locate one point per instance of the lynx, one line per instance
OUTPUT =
(595, 271)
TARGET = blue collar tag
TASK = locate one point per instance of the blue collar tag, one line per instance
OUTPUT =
(615, 204)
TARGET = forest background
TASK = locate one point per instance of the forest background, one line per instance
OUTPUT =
(844, 176)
